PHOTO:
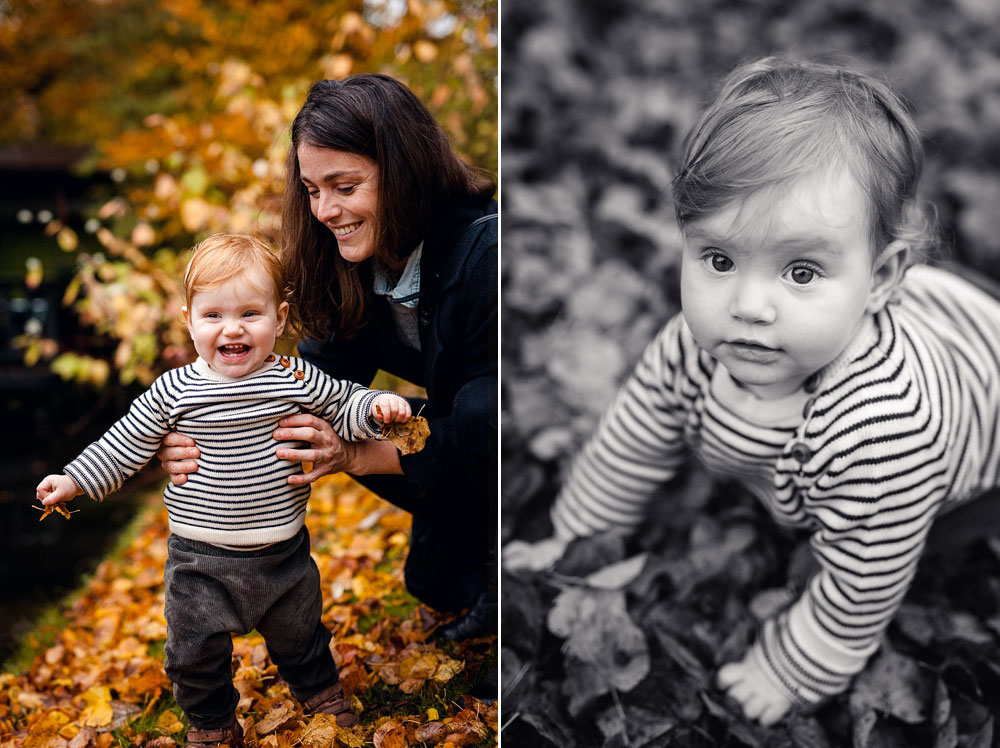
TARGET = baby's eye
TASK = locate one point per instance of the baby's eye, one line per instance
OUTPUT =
(802, 275)
(720, 263)
(250, 314)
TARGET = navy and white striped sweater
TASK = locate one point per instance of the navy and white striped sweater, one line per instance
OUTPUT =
(239, 495)
(902, 424)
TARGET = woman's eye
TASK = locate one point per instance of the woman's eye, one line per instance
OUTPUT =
(802, 275)
(721, 263)
(346, 190)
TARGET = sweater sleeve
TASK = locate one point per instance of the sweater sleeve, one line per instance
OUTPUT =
(346, 405)
(126, 447)
(880, 477)
(638, 445)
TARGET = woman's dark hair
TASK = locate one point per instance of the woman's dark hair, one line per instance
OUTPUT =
(418, 174)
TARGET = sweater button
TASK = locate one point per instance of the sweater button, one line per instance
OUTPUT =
(270, 357)
(808, 406)
(811, 384)
(801, 452)
(285, 362)
(299, 374)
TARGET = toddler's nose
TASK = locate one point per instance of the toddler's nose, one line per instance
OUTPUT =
(751, 303)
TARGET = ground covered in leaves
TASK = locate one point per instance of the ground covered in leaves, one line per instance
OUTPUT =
(618, 646)
(92, 674)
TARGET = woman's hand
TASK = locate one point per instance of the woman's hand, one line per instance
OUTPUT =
(328, 452)
(177, 455)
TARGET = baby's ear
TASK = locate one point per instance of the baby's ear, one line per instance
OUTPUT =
(888, 271)
(282, 316)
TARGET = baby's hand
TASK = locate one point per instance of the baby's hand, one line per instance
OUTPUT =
(750, 685)
(390, 409)
(55, 489)
(520, 556)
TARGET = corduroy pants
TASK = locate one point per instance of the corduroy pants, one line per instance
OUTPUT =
(212, 593)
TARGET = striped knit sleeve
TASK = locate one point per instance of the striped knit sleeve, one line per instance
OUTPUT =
(346, 405)
(638, 445)
(875, 486)
(128, 445)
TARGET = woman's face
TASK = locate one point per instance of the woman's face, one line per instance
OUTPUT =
(343, 195)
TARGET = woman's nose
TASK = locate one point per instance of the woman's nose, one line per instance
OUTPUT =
(327, 208)
(751, 303)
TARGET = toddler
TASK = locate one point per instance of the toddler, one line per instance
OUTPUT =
(238, 553)
(854, 402)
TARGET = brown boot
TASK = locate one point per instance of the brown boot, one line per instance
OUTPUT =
(224, 736)
(331, 701)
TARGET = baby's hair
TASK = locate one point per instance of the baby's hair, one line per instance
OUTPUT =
(778, 119)
(222, 257)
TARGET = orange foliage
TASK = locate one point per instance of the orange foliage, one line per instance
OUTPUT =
(187, 105)
(104, 670)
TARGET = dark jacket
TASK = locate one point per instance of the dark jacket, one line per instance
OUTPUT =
(457, 363)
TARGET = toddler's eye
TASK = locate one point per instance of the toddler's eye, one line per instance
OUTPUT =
(802, 275)
(721, 263)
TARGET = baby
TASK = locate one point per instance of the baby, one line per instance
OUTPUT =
(854, 402)
(238, 554)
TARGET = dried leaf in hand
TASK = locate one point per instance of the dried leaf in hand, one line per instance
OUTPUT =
(408, 437)
(59, 508)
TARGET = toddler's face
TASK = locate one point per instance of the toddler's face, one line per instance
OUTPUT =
(776, 287)
(234, 325)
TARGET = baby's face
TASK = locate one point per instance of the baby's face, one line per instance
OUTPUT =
(776, 286)
(234, 325)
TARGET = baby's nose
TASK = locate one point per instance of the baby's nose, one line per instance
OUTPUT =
(751, 303)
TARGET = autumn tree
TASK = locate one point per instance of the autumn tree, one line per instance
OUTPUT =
(186, 104)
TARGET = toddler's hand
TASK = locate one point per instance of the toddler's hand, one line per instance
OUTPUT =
(520, 556)
(390, 409)
(55, 489)
(750, 685)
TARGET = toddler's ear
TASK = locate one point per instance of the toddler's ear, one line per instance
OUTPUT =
(887, 273)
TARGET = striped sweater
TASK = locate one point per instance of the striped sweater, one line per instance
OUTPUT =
(903, 423)
(239, 495)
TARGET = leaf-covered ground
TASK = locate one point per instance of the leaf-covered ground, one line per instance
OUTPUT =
(596, 99)
(93, 672)
(618, 646)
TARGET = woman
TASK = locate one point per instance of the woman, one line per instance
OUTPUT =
(390, 246)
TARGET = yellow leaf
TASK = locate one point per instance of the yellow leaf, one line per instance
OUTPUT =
(425, 51)
(432, 715)
(448, 669)
(67, 239)
(98, 712)
(169, 723)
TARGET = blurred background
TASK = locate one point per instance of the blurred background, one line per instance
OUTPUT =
(130, 130)
(596, 99)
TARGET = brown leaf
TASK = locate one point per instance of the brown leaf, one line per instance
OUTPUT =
(57, 508)
(164, 741)
(86, 737)
(431, 732)
(279, 716)
(390, 734)
(408, 437)
(321, 732)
